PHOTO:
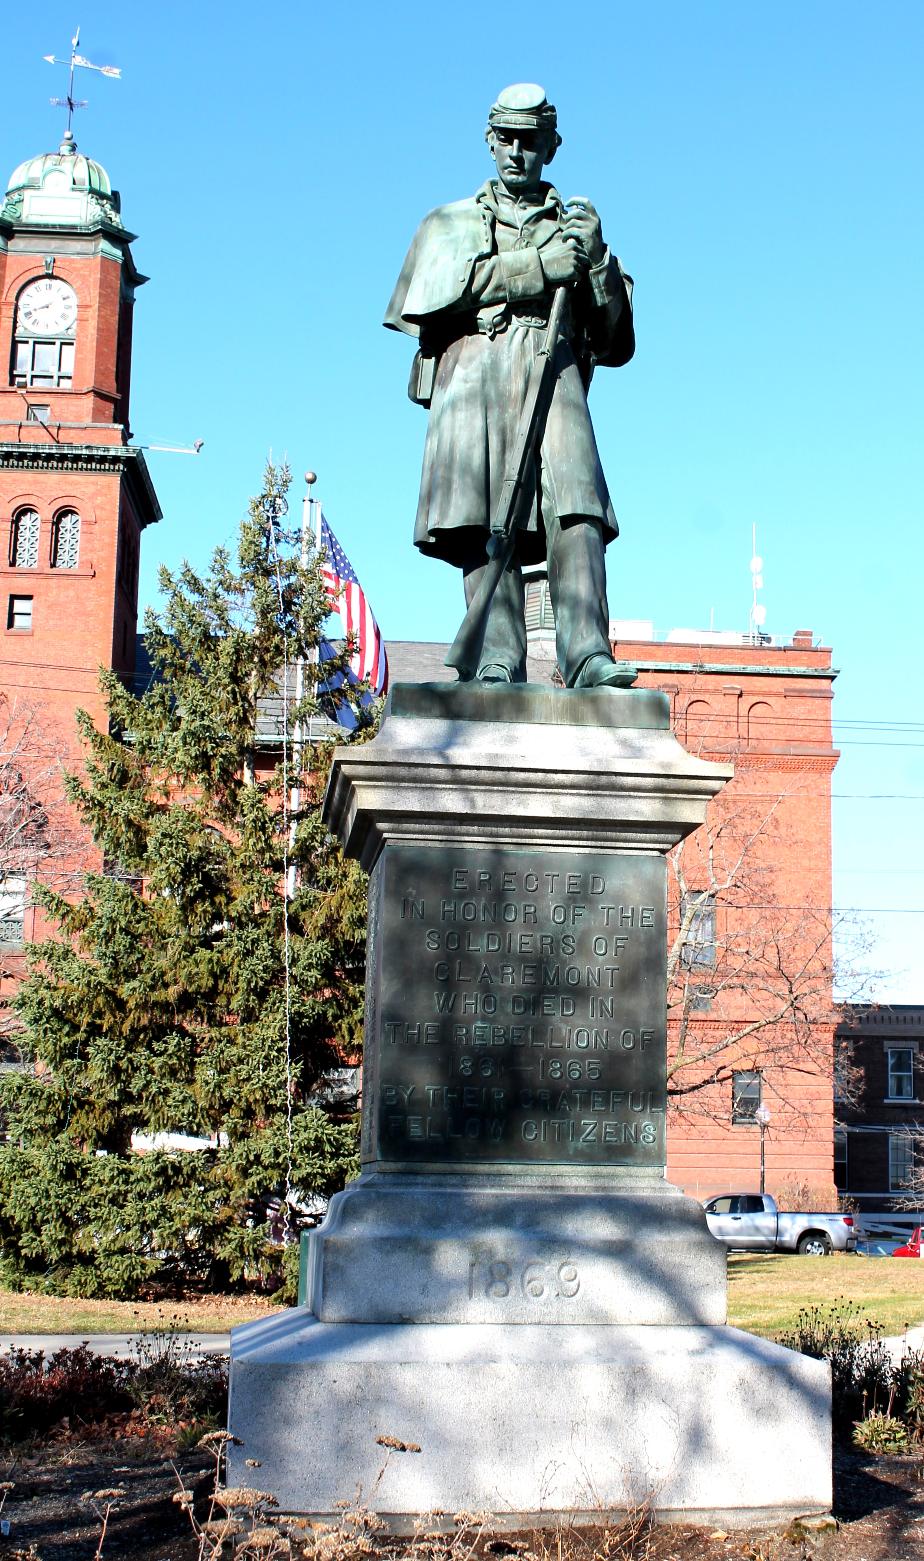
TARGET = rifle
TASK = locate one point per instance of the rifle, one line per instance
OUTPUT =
(466, 648)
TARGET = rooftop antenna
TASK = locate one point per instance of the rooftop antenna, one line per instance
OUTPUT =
(76, 62)
(758, 616)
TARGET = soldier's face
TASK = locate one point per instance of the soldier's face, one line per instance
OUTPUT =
(520, 156)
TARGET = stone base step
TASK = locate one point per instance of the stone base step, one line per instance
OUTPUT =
(533, 1424)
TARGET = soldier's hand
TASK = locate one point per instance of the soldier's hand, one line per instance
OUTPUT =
(563, 260)
(583, 225)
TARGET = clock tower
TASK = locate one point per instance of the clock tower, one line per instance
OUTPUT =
(75, 493)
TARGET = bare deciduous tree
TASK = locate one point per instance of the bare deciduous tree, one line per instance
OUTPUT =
(911, 1199)
(750, 976)
(40, 836)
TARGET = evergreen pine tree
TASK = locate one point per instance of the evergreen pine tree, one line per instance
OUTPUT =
(163, 1003)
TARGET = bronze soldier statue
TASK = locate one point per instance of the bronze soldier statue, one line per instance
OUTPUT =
(477, 289)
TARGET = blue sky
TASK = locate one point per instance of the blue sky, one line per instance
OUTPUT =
(757, 167)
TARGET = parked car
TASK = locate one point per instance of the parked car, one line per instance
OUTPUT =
(751, 1221)
(911, 1248)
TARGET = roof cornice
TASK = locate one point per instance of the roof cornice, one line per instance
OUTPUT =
(740, 669)
(118, 459)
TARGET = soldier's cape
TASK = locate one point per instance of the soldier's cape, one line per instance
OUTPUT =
(439, 265)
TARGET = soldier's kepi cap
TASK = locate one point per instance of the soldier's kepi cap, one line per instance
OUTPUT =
(524, 106)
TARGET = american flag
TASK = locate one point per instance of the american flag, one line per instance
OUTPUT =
(347, 597)
(332, 692)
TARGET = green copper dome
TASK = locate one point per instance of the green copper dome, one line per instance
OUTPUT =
(61, 189)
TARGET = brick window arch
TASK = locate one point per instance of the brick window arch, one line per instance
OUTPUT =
(65, 540)
(697, 721)
(759, 714)
(24, 539)
(44, 335)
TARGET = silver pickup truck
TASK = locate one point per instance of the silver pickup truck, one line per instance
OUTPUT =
(751, 1221)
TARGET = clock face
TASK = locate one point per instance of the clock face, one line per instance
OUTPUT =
(47, 307)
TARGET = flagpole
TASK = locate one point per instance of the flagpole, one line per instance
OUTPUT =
(316, 653)
(298, 735)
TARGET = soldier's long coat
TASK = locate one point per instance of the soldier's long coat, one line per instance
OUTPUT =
(473, 291)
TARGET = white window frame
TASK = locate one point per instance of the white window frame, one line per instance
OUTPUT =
(12, 910)
(698, 950)
(17, 613)
(893, 1072)
(56, 376)
(741, 1117)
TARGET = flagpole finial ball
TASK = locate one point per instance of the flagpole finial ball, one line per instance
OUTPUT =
(311, 478)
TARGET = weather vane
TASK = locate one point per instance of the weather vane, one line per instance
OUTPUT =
(77, 61)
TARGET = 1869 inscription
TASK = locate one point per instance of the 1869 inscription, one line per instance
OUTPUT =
(519, 1004)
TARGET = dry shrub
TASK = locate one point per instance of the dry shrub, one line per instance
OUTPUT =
(73, 1384)
(162, 1384)
(796, 1195)
(626, 1538)
(865, 1379)
(240, 1527)
(170, 1384)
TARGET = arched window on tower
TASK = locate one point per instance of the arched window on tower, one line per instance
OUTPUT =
(24, 539)
(65, 540)
(45, 334)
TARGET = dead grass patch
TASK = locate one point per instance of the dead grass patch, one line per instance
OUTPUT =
(28, 1312)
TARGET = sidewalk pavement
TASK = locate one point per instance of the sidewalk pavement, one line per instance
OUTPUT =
(120, 1344)
(900, 1343)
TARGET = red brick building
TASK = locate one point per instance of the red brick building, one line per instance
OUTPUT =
(75, 494)
(753, 992)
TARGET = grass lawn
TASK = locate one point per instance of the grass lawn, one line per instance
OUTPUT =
(30, 1313)
(766, 1293)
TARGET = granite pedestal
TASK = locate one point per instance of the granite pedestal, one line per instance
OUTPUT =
(511, 1286)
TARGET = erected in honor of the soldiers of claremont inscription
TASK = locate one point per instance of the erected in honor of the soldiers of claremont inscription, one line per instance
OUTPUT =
(520, 1007)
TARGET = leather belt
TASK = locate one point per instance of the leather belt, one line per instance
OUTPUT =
(493, 322)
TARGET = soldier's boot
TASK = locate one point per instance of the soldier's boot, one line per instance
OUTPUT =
(603, 672)
(577, 586)
(503, 654)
